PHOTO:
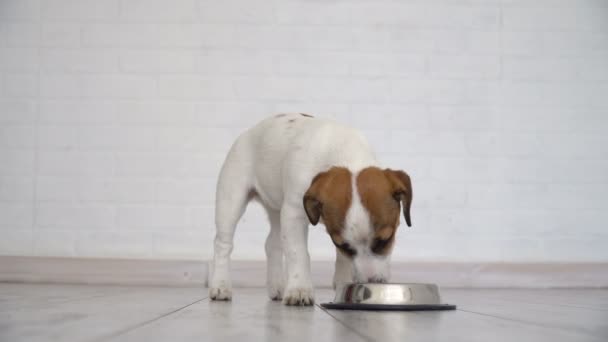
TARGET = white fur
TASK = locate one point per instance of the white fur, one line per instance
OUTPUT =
(278, 159)
(358, 233)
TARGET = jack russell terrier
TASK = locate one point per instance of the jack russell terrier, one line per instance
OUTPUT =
(307, 170)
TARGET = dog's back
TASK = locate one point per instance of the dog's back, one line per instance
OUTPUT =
(283, 153)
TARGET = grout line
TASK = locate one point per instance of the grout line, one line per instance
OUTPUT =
(534, 324)
(366, 338)
(73, 300)
(525, 301)
(144, 323)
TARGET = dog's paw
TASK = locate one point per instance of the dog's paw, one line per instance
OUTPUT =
(220, 293)
(302, 296)
(275, 292)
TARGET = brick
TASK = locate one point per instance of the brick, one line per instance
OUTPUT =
(431, 143)
(61, 86)
(192, 138)
(118, 244)
(552, 18)
(365, 116)
(156, 11)
(154, 112)
(528, 196)
(313, 13)
(574, 145)
(74, 216)
(175, 61)
(79, 60)
(427, 15)
(500, 144)
(19, 59)
(222, 62)
(20, 9)
(57, 189)
(201, 192)
(145, 218)
(439, 195)
(411, 40)
(16, 216)
(195, 87)
(16, 189)
(17, 136)
(78, 111)
(186, 246)
(563, 119)
(50, 242)
(418, 168)
(233, 114)
(236, 12)
(464, 67)
(20, 34)
(150, 165)
(393, 65)
(541, 93)
(463, 118)
(117, 138)
(81, 10)
(575, 248)
(207, 166)
(118, 86)
(73, 163)
(17, 111)
(20, 85)
(593, 69)
(120, 35)
(541, 69)
(468, 170)
(17, 162)
(330, 38)
(60, 34)
(57, 137)
(427, 91)
(117, 190)
(16, 242)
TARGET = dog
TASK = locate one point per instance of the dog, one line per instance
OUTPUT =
(305, 170)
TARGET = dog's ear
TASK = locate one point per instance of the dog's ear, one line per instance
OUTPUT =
(313, 208)
(328, 196)
(312, 201)
(401, 191)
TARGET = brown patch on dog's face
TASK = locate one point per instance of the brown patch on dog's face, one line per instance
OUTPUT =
(328, 198)
(381, 191)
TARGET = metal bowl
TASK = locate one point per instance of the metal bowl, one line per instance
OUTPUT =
(377, 296)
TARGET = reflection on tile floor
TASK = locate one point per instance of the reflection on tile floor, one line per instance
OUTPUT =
(111, 313)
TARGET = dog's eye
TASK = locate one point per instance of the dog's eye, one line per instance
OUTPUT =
(379, 245)
(346, 248)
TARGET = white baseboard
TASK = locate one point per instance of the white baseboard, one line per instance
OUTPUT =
(253, 273)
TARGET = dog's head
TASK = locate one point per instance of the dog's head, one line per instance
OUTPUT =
(361, 213)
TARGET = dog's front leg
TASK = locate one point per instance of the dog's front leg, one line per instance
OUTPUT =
(343, 273)
(294, 237)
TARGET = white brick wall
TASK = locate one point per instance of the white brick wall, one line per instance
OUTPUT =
(115, 116)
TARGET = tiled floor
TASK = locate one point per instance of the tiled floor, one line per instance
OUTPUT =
(98, 313)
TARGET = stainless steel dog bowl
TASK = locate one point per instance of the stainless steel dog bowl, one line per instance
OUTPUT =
(375, 296)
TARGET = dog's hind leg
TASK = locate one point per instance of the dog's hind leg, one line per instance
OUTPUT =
(275, 279)
(234, 190)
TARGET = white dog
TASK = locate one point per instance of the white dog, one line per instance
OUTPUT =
(305, 170)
